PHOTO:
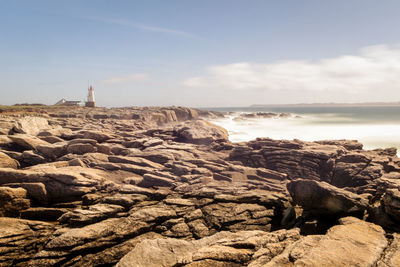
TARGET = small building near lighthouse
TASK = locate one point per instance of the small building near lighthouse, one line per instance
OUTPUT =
(90, 102)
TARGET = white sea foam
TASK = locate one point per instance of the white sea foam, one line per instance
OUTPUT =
(312, 127)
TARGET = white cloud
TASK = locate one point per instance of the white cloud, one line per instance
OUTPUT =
(125, 79)
(373, 68)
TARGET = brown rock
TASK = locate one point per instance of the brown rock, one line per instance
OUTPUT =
(96, 135)
(320, 198)
(7, 162)
(81, 149)
(30, 125)
(352, 243)
(27, 141)
(200, 132)
(13, 201)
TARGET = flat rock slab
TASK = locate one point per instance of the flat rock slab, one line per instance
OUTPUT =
(352, 243)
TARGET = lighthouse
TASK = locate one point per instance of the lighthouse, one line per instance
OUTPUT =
(90, 98)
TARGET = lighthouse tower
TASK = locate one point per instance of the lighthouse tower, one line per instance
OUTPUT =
(90, 98)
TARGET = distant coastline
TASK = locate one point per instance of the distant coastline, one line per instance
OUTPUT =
(364, 104)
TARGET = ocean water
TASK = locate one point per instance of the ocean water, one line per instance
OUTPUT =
(374, 126)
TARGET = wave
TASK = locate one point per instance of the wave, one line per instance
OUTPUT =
(312, 127)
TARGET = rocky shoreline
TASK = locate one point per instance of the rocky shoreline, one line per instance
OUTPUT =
(164, 187)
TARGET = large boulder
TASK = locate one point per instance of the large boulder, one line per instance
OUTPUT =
(31, 125)
(323, 199)
(200, 132)
(351, 243)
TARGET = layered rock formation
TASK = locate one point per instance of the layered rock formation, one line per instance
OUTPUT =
(164, 187)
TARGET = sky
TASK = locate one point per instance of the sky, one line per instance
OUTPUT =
(209, 53)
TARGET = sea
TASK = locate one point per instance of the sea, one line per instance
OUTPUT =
(374, 126)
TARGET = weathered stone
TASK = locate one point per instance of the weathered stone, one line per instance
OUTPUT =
(391, 203)
(42, 214)
(150, 180)
(201, 132)
(13, 201)
(96, 135)
(323, 199)
(36, 191)
(8, 162)
(392, 253)
(352, 243)
(81, 148)
(20, 240)
(95, 213)
(52, 151)
(30, 125)
(31, 158)
(27, 141)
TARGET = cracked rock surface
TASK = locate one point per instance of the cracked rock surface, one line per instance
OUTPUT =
(164, 187)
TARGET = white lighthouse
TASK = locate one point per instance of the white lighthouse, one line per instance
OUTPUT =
(90, 98)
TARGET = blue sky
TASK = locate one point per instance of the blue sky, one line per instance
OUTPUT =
(200, 53)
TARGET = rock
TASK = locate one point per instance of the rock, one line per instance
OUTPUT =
(5, 141)
(111, 256)
(7, 162)
(51, 139)
(170, 252)
(88, 239)
(6, 127)
(52, 151)
(76, 162)
(27, 141)
(150, 186)
(29, 157)
(30, 125)
(82, 141)
(150, 180)
(354, 169)
(105, 149)
(391, 203)
(42, 214)
(201, 132)
(93, 214)
(81, 149)
(221, 249)
(13, 201)
(323, 199)
(392, 253)
(20, 240)
(135, 161)
(96, 135)
(235, 217)
(124, 200)
(357, 242)
(36, 191)
(348, 144)
(56, 131)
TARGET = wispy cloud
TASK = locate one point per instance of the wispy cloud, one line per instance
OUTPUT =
(145, 27)
(127, 78)
(373, 68)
